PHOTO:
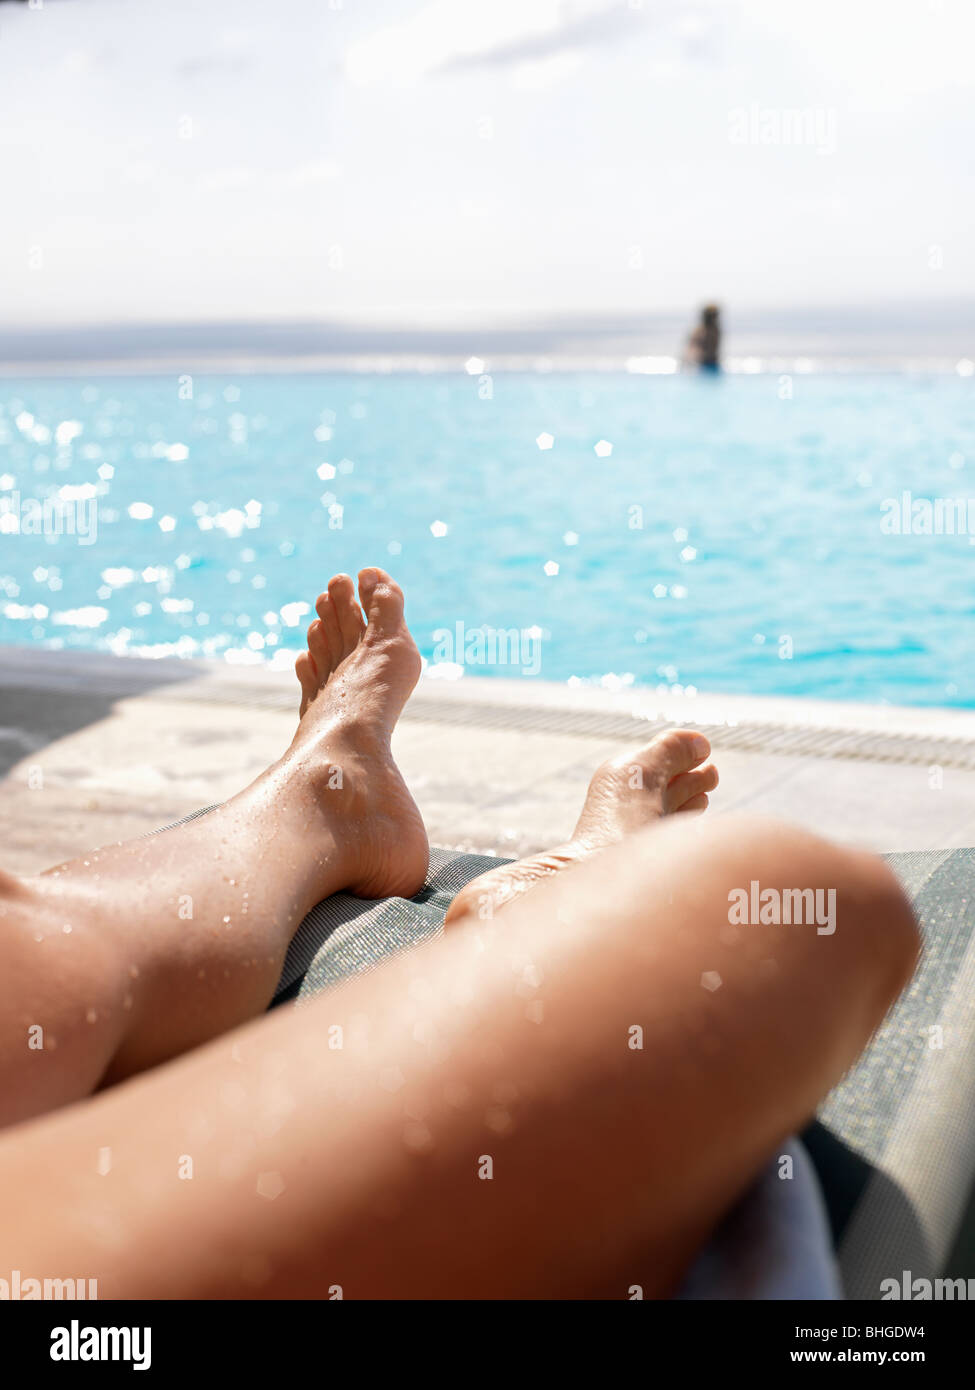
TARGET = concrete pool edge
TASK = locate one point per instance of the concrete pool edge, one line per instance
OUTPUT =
(96, 748)
(769, 724)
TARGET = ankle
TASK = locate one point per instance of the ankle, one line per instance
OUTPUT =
(337, 773)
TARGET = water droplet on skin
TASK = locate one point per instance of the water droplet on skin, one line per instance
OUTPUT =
(134, 971)
(226, 921)
(91, 1016)
(66, 928)
(417, 1138)
(498, 1119)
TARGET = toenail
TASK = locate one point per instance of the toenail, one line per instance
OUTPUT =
(700, 746)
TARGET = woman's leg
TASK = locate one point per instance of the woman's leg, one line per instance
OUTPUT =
(562, 1102)
(141, 950)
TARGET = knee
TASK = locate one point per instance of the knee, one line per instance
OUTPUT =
(871, 915)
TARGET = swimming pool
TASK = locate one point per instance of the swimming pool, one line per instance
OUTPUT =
(738, 534)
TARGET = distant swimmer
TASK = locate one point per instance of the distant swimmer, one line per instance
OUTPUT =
(704, 345)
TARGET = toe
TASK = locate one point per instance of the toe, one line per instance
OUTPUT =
(696, 803)
(307, 676)
(671, 753)
(682, 749)
(368, 579)
(328, 617)
(318, 650)
(341, 592)
(382, 600)
(690, 786)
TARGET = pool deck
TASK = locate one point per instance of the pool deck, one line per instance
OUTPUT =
(95, 748)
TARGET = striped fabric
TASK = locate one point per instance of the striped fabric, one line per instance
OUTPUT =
(908, 1107)
(345, 936)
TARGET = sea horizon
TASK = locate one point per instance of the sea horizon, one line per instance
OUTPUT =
(930, 336)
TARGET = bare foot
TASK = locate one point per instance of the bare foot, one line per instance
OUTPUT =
(625, 794)
(355, 678)
(660, 779)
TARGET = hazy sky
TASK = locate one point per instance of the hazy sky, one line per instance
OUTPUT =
(454, 161)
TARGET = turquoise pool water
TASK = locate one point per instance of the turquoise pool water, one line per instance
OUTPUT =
(732, 538)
